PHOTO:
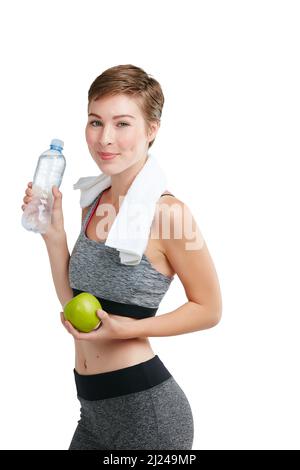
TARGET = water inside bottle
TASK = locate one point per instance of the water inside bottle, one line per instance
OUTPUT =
(48, 173)
(37, 214)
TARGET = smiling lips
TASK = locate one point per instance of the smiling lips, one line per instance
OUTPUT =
(107, 155)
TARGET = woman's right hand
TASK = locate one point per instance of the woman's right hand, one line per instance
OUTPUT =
(55, 229)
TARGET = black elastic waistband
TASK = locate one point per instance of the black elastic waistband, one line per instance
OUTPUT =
(125, 310)
(122, 381)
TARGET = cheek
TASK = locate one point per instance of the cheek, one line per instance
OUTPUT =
(129, 139)
(89, 137)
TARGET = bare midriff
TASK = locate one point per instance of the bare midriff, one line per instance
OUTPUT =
(94, 357)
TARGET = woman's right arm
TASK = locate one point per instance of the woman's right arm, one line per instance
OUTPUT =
(59, 258)
(56, 243)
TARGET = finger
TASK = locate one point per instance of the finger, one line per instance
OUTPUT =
(57, 204)
(56, 192)
(29, 184)
(92, 335)
(28, 192)
(63, 320)
(27, 199)
(102, 314)
(70, 328)
(79, 335)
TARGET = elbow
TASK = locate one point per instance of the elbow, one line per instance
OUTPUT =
(210, 316)
(216, 318)
(216, 311)
(215, 315)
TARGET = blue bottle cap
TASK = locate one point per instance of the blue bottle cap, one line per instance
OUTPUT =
(57, 143)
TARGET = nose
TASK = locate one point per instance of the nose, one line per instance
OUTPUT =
(106, 136)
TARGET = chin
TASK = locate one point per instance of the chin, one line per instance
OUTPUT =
(107, 170)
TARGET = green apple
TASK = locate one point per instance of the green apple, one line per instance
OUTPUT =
(81, 312)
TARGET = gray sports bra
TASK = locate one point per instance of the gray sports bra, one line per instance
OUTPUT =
(131, 291)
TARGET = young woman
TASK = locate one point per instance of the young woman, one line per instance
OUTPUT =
(129, 399)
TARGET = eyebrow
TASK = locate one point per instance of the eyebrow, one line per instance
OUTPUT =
(114, 117)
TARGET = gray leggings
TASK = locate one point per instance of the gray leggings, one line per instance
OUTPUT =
(159, 417)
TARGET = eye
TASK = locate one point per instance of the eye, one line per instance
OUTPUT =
(124, 123)
(92, 122)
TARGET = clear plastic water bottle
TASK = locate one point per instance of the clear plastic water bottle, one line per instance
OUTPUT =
(49, 172)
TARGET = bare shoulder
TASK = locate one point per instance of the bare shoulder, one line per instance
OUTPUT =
(172, 210)
(187, 252)
(169, 200)
(167, 214)
(182, 223)
(166, 201)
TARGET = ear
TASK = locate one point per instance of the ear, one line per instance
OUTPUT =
(153, 129)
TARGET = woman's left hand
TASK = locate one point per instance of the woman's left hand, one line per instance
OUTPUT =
(109, 328)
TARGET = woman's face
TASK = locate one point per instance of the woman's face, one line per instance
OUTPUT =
(125, 136)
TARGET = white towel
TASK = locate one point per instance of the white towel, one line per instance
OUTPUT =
(130, 231)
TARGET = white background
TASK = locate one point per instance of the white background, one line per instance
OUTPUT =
(229, 142)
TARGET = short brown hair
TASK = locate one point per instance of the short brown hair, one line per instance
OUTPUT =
(133, 81)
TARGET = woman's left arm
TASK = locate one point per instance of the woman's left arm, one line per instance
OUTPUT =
(191, 261)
